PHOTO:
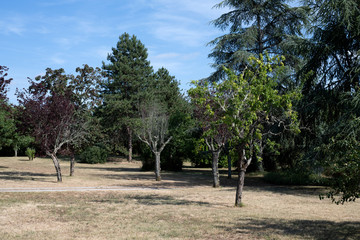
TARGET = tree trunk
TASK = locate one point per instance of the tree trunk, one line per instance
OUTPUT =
(157, 166)
(215, 168)
(239, 188)
(72, 165)
(57, 167)
(229, 165)
(15, 151)
(242, 163)
(130, 144)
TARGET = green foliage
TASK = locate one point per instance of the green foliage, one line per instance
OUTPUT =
(30, 152)
(339, 152)
(7, 127)
(128, 75)
(252, 106)
(93, 155)
(296, 178)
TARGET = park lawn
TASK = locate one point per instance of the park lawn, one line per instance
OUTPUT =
(182, 206)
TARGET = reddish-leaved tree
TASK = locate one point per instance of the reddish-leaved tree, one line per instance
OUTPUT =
(56, 109)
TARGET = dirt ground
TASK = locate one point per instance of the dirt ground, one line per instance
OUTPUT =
(182, 206)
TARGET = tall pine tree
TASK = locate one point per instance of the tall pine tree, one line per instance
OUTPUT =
(255, 26)
(128, 75)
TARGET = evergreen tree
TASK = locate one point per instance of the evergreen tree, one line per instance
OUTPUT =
(329, 108)
(332, 53)
(128, 76)
(255, 26)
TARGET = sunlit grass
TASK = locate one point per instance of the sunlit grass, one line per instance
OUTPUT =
(185, 207)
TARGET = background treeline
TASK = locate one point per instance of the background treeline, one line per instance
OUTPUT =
(126, 108)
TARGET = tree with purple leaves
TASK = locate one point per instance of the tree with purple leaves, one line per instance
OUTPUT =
(56, 110)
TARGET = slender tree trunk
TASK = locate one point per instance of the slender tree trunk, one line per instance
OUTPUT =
(57, 167)
(239, 188)
(130, 144)
(215, 168)
(243, 163)
(15, 151)
(157, 166)
(72, 165)
(229, 165)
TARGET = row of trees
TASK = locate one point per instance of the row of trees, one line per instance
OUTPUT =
(252, 107)
(65, 114)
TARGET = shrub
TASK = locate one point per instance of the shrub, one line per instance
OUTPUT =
(295, 178)
(30, 152)
(93, 155)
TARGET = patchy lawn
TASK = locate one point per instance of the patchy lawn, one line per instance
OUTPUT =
(182, 206)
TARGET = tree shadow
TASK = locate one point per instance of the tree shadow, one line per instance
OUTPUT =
(305, 229)
(22, 176)
(153, 199)
(169, 179)
(150, 199)
(119, 169)
(258, 184)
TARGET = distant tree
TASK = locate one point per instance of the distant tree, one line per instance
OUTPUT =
(165, 89)
(210, 117)
(19, 141)
(7, 124)
(128, 73)
(255, 27)
(7, 127)
(4, 84)
(153, 130)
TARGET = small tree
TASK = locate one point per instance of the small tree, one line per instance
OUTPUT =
(153, 130)
(249, 102)
(55, 109)
(30, 152)
(211, 119)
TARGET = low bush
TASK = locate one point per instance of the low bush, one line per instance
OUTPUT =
(30, 152)
(93, 155)
(295, 178)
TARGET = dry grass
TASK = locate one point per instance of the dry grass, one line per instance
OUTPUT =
(184, 207)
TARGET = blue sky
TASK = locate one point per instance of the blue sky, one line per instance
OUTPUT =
(66, 34)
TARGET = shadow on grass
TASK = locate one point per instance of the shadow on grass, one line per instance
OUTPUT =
(20, 176)
(150, 199)
(120, 169)
(258, 184)
(169, 179)
(153, 199)
(304, 229)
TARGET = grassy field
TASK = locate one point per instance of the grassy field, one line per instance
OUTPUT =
(182, 206)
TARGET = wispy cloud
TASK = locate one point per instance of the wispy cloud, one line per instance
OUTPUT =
(13, 25)
(186, 22)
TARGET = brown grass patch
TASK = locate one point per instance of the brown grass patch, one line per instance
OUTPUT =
(185, 207)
